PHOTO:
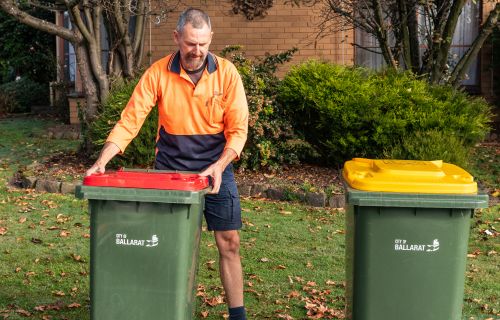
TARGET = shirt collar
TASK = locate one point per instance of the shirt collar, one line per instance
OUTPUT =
(174, 64)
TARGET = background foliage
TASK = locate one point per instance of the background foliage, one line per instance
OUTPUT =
(350, 112)
(26, 52)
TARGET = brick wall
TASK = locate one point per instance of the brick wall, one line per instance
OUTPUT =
(283, 28)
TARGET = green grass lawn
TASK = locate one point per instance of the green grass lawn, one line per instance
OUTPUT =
(293, 255)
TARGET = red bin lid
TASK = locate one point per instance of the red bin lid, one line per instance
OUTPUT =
(148, 180)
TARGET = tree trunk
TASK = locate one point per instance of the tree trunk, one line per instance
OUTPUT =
(405, 33)
(413, 33)
(441, 53)
(464, 63)
(381, 33)
(89, 83)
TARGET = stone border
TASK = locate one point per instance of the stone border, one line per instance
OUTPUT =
(43, 185)
(257, 190)
(314, 199)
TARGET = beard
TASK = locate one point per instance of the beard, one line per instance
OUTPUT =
(193, 62)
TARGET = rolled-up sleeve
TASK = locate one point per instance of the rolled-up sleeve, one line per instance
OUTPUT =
(236, 113)
(141, 102)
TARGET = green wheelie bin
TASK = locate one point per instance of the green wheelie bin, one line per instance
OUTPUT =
(407, 230)
(145, 232)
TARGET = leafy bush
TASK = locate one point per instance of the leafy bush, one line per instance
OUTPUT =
(26, 93)
(271, 138)
(141, 150)
(350, 112)
(7, 102)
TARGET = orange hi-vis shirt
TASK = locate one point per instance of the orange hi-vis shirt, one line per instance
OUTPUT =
(196, 122)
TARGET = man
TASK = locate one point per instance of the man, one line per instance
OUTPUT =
(203, 124)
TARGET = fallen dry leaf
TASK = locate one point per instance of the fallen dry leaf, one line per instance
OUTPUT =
(210, 265)
(76, 257)
(3, 230)
(74, 305)
(64, 233)
(204, 314)
(22, 220)
(58, 293)
(215, 301)
(264, 260)
(23, 312)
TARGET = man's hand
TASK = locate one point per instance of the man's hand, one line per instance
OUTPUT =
(108, 152)
(215, 172)
(96, 168)
(216, 169)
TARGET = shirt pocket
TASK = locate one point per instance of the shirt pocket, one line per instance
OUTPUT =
(216, 108)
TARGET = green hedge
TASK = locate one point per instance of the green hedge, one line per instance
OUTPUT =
(350, 112)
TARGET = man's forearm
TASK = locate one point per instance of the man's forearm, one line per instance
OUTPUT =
(227, 156)
(107, 153)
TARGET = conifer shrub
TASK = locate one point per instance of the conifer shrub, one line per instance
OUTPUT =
(347, 112)
(141, 151)
(431, 145)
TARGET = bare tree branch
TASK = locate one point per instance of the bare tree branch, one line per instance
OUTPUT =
(365, 48)
(77, 19)
(11, 8)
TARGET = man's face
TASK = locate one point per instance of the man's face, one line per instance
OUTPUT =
(193, 45)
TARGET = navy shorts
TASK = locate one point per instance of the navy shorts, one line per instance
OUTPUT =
(223, 210)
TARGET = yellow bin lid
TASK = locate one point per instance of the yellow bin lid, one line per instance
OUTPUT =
(408, 176)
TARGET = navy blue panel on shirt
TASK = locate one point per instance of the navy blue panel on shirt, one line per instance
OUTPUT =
(188, 152)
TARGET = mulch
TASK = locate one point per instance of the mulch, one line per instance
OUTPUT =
(306, 177)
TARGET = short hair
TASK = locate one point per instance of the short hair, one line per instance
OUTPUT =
(196, 17)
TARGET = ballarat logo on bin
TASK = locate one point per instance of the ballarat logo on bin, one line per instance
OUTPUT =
(123, 240)
(403, 245)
